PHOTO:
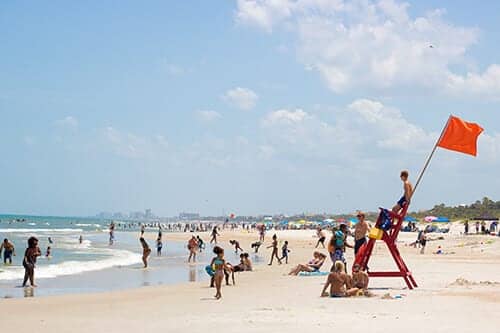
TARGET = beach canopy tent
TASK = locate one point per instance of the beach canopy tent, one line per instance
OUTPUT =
(430, 218)
(284, 222)
(410, 219)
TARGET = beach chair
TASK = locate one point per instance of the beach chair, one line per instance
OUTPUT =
(386, 229)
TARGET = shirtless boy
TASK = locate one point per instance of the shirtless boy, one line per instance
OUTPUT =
(360, 278)
(408, 191)
(360, 231)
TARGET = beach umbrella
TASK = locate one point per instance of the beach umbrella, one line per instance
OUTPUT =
(410, 219)
(441, 219)
(353, 220)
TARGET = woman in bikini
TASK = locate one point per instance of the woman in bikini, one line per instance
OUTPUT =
(274, 254)
(146, 251)
(312, 266)
(29, 261)
(219, 265)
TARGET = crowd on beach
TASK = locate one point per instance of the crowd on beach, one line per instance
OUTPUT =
(339, 283)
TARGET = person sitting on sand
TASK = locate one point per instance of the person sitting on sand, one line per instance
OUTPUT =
(312, 266)
(236, 245)
(247, 263)
(219, 265)
(423, 241)
(146, 251)
(339, 283)
(360, 278)
(193, 248)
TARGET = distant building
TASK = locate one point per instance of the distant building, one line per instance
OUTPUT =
(148, 214)
(189, 216)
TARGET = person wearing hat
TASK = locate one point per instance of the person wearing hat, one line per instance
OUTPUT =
(360, 231)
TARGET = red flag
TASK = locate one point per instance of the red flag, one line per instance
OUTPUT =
(460, 136)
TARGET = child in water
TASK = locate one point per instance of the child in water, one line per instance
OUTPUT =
(219, 264)
(146, 251)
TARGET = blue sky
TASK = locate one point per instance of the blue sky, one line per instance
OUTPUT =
(242, 106)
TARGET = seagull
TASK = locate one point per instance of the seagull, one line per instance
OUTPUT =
(431, 46)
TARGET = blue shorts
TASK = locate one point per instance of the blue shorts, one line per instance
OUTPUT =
(402, 201)
(338, 256)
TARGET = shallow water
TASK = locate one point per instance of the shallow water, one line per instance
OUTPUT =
(94, 266)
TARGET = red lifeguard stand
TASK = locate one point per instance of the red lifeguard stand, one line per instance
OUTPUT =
(389, 236)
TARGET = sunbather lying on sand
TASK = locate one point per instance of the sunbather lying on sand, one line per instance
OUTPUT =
(313, 265)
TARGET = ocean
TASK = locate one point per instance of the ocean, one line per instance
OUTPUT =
(94, 265)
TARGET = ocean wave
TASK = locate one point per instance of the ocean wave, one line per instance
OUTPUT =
(40, 230)
(96, 225)
(117, 258)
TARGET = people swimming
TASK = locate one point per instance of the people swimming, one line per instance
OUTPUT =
(29, 261)
(111, 233)
(48, 253)
(80, 239)
(8, 251)
(274, 253)
(146, 251)
(219, 265)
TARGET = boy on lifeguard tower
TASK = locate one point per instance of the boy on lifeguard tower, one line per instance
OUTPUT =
(408, 191)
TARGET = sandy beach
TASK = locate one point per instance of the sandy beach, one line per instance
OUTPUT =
(459, 291)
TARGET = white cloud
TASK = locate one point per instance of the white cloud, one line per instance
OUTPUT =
(29, 140)
(68, 122)
(242, 98)
(133, 146)
(208, 115)
(376, 44)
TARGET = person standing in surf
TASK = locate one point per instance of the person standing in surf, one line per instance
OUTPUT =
(29, 261)
(146, 251)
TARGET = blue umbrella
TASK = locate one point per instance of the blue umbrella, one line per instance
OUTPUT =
(410, 219)
(441, 219)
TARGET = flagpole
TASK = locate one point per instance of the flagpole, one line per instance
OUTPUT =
(430, 157)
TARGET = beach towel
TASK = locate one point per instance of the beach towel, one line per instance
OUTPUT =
(386, 220)
(315, 273)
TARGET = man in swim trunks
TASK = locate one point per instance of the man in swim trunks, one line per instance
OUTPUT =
(360, 231)
(8, 251)
(408, 191)
(339, 283)
(338, 244)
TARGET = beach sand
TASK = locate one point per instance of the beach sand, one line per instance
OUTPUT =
(457, 292)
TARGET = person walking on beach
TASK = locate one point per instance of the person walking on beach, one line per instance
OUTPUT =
(111, 233)
(8, 251)
(29, 261)
(274, 254)
(360, 231)
(321, 238)
(193, 248)
(466, 227)
(146, 251)
(218, 264)
(407, 193)
(214, 235)
(201, 244)
(262, 232)
(236, 245)
(159, 245)
(284, 252)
